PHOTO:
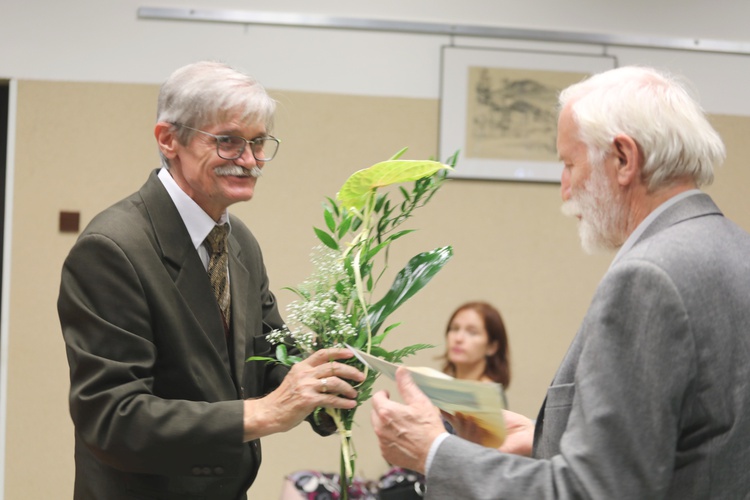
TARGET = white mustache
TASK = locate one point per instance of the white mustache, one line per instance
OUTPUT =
(570, 208)
(237, 171)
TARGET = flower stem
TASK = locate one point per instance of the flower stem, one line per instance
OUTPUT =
(347, 452)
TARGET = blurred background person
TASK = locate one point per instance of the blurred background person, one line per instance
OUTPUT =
(477, 344)
(476, 348)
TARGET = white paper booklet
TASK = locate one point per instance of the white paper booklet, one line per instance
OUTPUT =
(484, 401)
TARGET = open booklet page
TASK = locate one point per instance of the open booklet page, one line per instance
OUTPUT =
(483, 401)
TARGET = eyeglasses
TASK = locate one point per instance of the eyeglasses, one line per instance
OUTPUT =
(231, 147)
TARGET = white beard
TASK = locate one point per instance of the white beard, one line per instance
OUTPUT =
(603, 214)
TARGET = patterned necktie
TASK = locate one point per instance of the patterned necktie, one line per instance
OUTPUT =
(216, 241)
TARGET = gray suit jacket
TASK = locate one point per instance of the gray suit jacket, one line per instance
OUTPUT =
(155, 400)
(652, 399)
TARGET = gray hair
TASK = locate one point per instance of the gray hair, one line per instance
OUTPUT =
(657, 112)
(207, 92)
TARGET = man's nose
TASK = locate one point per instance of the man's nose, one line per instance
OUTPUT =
(247, 158)
(565, 184)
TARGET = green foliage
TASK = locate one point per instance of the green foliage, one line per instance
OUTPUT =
(412, 278)
(335, 305)
(361, 186)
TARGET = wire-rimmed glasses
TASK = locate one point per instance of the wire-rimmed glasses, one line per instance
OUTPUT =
(231, 147)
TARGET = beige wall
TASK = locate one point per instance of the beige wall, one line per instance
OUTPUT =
(83, 146)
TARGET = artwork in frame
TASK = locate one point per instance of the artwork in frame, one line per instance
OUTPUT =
(498, 109)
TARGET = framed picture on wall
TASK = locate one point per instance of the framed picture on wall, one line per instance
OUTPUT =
(498, 110)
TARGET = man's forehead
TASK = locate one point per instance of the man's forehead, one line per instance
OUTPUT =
(235, 123)
(570, 146)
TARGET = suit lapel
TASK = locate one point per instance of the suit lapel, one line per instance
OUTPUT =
(239, 279)
(183, 263)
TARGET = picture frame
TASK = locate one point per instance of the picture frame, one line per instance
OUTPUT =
(498, 110)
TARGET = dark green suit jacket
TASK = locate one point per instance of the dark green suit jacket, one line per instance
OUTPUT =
(155, 400)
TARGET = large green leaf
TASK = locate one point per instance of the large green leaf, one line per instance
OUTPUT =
(357, 188)
(412, 278)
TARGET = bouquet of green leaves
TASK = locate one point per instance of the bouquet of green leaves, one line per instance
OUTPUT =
(335, 304)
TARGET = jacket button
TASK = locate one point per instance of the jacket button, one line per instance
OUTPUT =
(207, 471)
(219, 471)
(197, 471)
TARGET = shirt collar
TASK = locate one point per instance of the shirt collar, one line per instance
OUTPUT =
(197, 221)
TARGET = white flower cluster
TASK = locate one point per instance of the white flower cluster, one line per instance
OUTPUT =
(319, 317)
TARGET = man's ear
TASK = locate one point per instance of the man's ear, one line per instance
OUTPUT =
(629, 159)
(166, 139)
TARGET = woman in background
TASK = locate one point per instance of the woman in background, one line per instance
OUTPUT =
(476, 349)
(477, 345)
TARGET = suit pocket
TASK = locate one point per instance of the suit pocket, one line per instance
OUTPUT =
(560, 396)
(556, 413)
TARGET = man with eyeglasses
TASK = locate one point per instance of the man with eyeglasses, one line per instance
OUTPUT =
(160, 308)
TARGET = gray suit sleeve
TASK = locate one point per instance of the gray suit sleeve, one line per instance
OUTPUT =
(618, 437)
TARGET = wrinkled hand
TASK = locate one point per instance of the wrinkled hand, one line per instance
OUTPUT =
(405, 431)
(520, 434)
(317, 381)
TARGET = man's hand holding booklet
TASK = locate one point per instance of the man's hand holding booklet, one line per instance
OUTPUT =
(481, 401)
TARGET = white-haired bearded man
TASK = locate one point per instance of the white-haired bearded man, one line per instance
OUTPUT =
(652, 399)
